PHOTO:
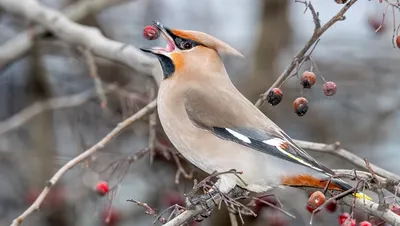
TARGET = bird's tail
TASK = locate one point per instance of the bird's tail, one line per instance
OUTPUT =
(345, 187)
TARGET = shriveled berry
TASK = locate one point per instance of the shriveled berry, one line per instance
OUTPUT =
(343, 217)
(307, 79)
(365, 223)
(315, 200)
(329, 88)
(276, 218)
(331, 206)
(398, 41)
(111, 217)
(300, 106)
(102, 188)
(172, 197)
(375, 24)
(341, 1)
(396, 209)
(275, 96)
(151, 33)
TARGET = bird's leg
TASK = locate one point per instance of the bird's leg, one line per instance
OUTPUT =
(206, 201)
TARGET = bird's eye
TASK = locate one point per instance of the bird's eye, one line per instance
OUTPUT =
(187, 45)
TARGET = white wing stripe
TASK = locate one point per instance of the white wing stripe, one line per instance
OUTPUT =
(278, 142)
(239, 136)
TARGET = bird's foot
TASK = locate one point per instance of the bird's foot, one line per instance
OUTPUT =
(206, 201)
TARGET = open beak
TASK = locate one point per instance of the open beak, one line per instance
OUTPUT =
(170, 41)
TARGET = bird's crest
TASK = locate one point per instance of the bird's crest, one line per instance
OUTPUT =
(207, 40)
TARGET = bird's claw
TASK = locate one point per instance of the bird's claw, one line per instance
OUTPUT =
(202, 200)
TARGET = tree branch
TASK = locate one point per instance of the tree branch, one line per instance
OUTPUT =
(21, 43)
(87, 37)
(354, 159)
(373, 209)
(51, 104)
(300, 55)
(105, 140)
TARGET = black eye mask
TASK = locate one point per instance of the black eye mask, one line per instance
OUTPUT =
(183, 43)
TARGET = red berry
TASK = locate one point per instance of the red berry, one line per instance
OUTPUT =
(275, 96)
(110, 217)
(329, 88)
(300, 106)
(315, 200)
(395, 209)
(307, 80)
(375, 23)
(173, 197)
(365, 223)
(102, 188)
(343, 217)
(331, 206)
(275, 218)
(398, 41)
(151, 33)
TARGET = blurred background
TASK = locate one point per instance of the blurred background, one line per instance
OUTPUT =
(363, 115)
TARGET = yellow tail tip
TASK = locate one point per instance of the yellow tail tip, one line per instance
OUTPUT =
(360, 195)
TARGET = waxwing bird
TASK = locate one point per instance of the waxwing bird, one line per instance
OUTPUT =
(217, 129)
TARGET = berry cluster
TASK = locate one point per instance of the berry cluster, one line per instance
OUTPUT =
(317, 199)
(300, 105)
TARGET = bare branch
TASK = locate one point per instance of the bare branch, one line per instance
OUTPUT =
(373, 209)
(84, 36)
(316, 35)
(20, 44)
(51, 104)
(105, 140)
(354, 159)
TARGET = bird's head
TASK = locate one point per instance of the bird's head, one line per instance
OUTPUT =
(188, 51)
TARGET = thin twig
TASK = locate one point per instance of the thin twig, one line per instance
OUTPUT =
(352, 158)
(233, 219)
(105, 140)
(152, 125)
(93, 73)
(316, 35)
(149, 210)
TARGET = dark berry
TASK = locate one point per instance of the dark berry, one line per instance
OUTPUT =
(329, 88)
(307, 79)
(331, 206)
(275, 96)
(300, 106)
(395, 209)
(151, 33)
(398, 41)
(275, 218)
(315, 200)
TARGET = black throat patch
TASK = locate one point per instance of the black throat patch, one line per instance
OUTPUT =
(167, 65)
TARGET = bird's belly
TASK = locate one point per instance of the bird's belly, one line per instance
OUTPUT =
(211, 153)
